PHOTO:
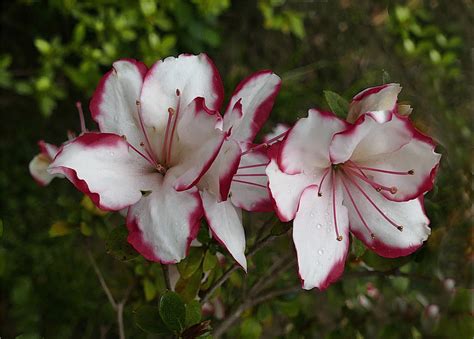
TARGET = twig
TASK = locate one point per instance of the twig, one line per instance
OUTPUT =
(226, 275)
(118, 307)
(166, 276)
(102, 281)
(249, 303)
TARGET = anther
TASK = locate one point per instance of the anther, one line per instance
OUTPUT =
(372, 236)
(137, 102)
(393, 190)
(378, 189)
(178, 93)
(320, 194)
(400, 228)
(170, 111)
(339, 238)
(411, 172)
(142, 144)
(124, 137)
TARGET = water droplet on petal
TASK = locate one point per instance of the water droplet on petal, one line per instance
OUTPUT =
(318, 226)
(112, 154)
(320, 252)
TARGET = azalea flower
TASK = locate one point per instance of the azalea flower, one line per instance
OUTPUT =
(157, 138)
(368, 178)
(39, 164)
(237, 179)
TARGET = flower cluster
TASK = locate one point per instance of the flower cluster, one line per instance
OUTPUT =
(166, 156)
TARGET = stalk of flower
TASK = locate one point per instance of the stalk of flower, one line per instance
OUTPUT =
(368, 178)
(157, 138)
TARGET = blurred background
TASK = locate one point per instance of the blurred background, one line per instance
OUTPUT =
(53, 54)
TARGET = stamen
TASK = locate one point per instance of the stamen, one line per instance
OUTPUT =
(175, 122)
(338, 236)
(372, 235)
(81, 117)
(265, 144)
(400, 228)
(354, 165)
(141, 154)
(249, 183)
(165, 141)
(252, 166)
(375, 185)
(320, 194)
(145, 134)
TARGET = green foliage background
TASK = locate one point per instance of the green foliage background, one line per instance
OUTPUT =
(53, 54)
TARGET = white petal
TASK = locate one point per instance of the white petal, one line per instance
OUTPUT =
(286, 190)
(255, 96)
(250, 192)
(196, 145)
(225, 221)
(39, 170)
(321, 257)
(113, 105)
(103, 166)
(192, 75)
(163, 224)
(380, 98)
(373, 134)
(387, 240)
(306, 146)
(417, 156)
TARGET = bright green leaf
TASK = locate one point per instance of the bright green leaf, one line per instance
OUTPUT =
(250, 329)
(338, 104)
(59, 228)
(149, 289)
(188, 266)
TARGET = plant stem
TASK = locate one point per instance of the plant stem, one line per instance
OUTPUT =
(166, 276)
(218, 283)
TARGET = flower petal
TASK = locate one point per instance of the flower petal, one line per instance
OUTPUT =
(49, 150)
(417, 157)
(366, 220)
(254, 98)
(380, 98)
(218, 178)
(373, 134)
(225, 221)
(285, 189)
(321, 257)
(163, 224)
(39, 170)
(103, 166)
(197, 144)
(305, 147)
(192, 75)
(113, 105)
(251, 192)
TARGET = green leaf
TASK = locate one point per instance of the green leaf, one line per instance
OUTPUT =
(59, 228)
(280, 228)
(250, 329)
(383, 264)
(172, 311)
(188, 288)
(85, 229)
(338, 104)
(193, 313)
(148, 319)
(210, 261)
(188, 266)
(149, 289)
(43, 46)
(358, 248)
(116, 245)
